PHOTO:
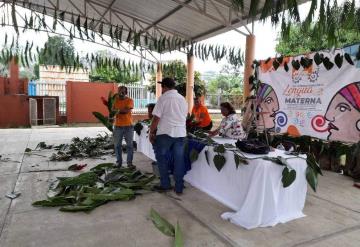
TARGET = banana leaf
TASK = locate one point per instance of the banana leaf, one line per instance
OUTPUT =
(162, 224)
(87, 178)
(179, 242)
(53, 202)
(104, 120)
(122, 195)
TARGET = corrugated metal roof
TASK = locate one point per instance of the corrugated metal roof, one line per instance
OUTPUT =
(188, 19)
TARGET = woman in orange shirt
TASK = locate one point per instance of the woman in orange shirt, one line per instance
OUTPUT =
(201, 114)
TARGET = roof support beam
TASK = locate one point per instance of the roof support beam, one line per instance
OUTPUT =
(173, 32)
(105, 12)
(225, 25)
(167, 15)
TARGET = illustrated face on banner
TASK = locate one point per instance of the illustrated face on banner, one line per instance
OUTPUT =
(268, 105)
(343, 114)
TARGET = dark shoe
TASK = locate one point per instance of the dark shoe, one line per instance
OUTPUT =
(161, 189)
(131, 166)
(178, 193)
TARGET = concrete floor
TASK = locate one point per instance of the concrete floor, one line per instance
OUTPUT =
(333, 213)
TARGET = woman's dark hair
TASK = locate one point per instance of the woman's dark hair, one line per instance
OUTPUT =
(229, 107)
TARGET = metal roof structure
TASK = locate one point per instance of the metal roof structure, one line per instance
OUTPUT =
(193, 20)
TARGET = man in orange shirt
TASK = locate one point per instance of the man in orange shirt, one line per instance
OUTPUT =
(202, 117)
(123, 127)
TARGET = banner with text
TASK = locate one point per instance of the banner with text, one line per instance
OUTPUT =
(316, 101)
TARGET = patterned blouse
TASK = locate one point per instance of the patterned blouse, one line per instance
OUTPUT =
(231, 127)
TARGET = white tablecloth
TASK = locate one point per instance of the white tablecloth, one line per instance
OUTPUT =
(143, 143)
(254, 191)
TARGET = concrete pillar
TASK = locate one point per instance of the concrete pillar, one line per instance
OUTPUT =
(158, 78)
(190, 82)
(249, 58)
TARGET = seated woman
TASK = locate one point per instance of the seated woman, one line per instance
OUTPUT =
(201, 115)
(230, 125)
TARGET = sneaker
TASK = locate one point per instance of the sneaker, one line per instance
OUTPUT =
(161, 189)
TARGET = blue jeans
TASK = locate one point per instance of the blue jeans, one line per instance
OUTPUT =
(119, 133)
(163, 145)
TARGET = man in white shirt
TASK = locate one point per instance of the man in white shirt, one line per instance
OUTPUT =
(168, 132)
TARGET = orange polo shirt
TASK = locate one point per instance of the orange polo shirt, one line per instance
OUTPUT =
(201, 115)
(126, 118)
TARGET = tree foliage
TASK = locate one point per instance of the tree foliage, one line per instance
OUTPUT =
(110, 73)
(57, 45)
(300, 41)
(176, 69)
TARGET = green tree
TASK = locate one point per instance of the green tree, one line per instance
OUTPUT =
(56, 51)
(110, 73)
(300, 41)
(177, 69)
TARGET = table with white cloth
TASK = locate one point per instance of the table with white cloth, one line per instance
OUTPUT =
(254, 191)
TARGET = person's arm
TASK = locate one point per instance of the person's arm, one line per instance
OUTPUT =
(153, 127)
(127, 108)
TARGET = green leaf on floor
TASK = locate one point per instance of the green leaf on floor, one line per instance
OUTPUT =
(162, 224)
(179, 242)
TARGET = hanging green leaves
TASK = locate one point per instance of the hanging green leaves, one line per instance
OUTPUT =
(288, 176)
(219, 161)
(13, 15)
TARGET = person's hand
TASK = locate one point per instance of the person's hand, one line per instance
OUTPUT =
(212, 133)
(152, 137)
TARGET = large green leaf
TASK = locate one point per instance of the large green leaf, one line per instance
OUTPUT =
(288, 177)
(311, 177)
(311, 161)
(162, 224)
(219, 161)
(179, 242)
(53, 202)
(104, 120)
(87, 178)
(125, 194)
(194, 155)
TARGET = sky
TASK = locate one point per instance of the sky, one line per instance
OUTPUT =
(265, 43)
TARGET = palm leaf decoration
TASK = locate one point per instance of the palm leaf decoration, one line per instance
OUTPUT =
(13, 15)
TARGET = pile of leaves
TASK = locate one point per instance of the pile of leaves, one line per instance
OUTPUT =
(84, 148)
(103, 183)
